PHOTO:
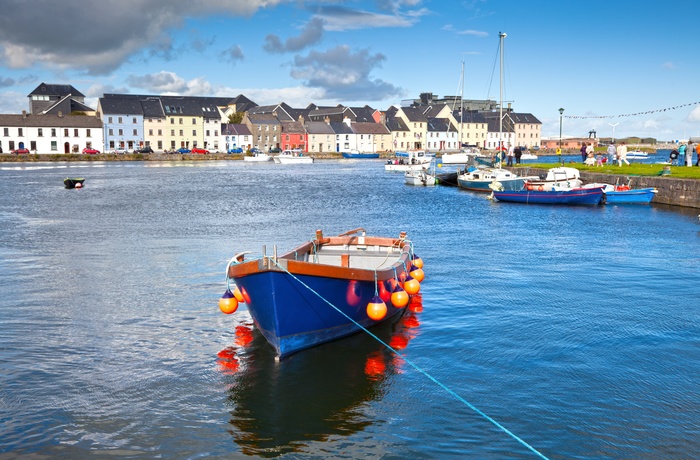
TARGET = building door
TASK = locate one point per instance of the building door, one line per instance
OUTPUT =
(66, 147)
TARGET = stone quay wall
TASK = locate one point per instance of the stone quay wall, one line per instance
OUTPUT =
(671, 190)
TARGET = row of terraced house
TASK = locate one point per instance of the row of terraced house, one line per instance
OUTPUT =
(59, 121)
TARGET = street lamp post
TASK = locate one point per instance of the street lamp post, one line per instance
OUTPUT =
(561, 116)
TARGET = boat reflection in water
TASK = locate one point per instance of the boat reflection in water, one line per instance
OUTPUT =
(283, 407)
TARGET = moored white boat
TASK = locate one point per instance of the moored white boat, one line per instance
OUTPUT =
(464, 156)
(636, 154)
(258, 156)
(292, 157)
(480, 179)
(558, 178)
(421, 177)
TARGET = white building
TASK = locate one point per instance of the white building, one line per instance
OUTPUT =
(44, 134)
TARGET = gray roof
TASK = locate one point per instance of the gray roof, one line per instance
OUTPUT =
(50, 89)
(318, 127)
(230, 129)
(293, 127)
(414, 114)
(396, 124)
(341, 128)
(442, 125)
(51, 121)
(369, 128)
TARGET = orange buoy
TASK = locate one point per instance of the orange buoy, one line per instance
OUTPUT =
(376, 308)
(417, 261)
(228, 303)
(353, 293)
(540, 188)
(384, 293)
(399, 298)
(238, 295)
(411, 285)
(529, 187)
(417, 273)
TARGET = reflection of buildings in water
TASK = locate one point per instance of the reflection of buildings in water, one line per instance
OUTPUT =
(281, 407)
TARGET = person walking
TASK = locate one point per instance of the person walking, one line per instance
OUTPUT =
(583, 152)
(518, 153)
(511, 155)
(612, 153)
(681, 154)
(689, 154)
(697, 150)
(622, 154)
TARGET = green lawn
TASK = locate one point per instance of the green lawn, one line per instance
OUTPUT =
(637, 169)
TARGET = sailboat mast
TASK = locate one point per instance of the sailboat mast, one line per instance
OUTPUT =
(461, 108)
(502, 36)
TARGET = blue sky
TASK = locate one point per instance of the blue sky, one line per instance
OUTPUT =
(627, 61)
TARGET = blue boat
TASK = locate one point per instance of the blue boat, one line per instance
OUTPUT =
(633, 196)
(624, 194)
(485, 179)
(356, 154)
(320, 290)
(574, 196)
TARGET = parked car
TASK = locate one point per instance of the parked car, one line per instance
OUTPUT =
(90, 151)
(212, 149)
(21, 151)
(235, 150)
(145, 150)
(275, 150)
(200, 150)
(182, 150)
(120, 151)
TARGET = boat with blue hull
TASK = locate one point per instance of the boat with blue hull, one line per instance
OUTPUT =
(356, 154)
(624, 194)
(574, 196)
(481, 179)
(320, 290)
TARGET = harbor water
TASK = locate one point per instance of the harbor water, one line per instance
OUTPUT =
(557, 332)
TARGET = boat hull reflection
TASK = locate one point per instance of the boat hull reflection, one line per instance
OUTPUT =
(282, 407)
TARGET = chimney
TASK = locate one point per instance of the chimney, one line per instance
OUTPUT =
(24, 114)
(60, 114)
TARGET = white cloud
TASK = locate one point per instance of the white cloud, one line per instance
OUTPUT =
(694, 114)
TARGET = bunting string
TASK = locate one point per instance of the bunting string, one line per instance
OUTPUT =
(633, 114)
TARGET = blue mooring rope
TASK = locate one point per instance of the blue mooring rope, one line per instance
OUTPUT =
(415, 366)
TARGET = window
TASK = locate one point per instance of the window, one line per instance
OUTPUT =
(109, 119)
(65, 132)
(40, 133)
(160, 132)
(111, 132)
(172, 132)
(20, 132)
(54, 146)
(6, 132)
(207, 133)
(121, 132)
(194, 121)
(150, 132)
(75, 132)
(172, 121)
(182, 133)
(87, 133)
(194, 132)
(119, 120)
(133, 120)
(181, 121)
(136, 132)
(53, 132)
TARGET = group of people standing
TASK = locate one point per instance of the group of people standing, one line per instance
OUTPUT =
(618, 154)
(684, 155)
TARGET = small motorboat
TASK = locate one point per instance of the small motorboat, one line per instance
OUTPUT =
(636, 155)
(421, 177)
(324, 289)
(73, 182)
(480, 179)
(573, 196)
(356, 154)
(556, 178)
(624, 194)
(295, 156)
